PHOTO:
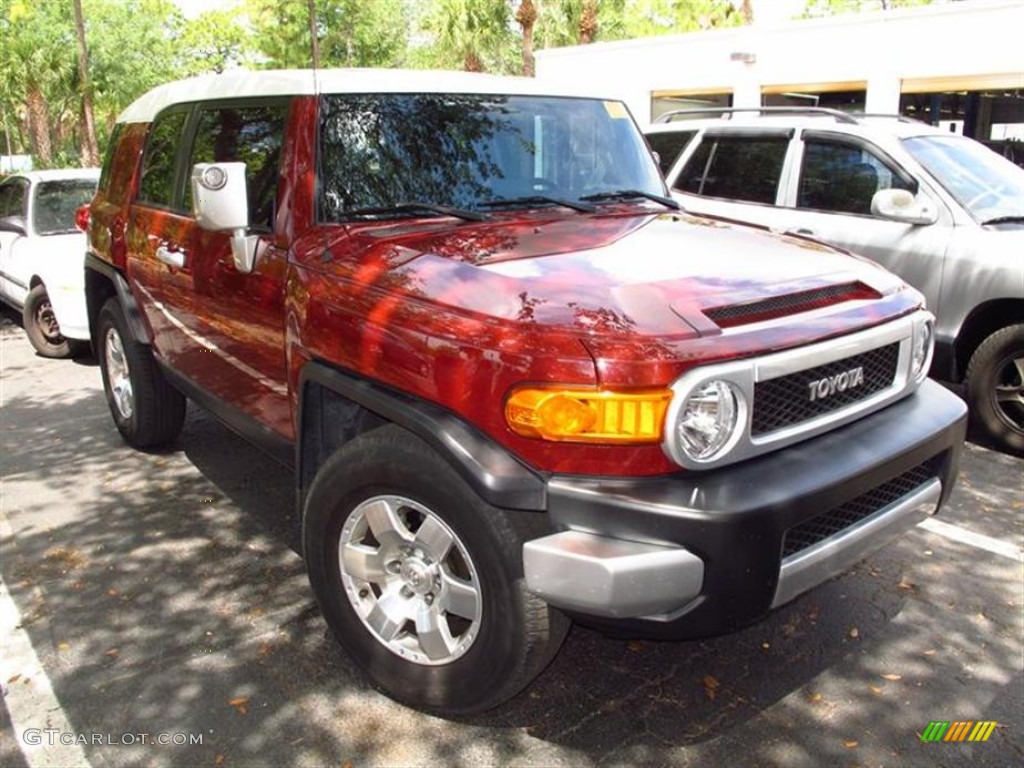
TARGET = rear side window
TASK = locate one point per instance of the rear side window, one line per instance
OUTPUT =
(251, 135)
(56, 202)
(158, 166)
(669, 146)
(108, 161)
(744, 168)
(13, 198)
(842, 177)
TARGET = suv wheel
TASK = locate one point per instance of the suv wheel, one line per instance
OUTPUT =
(42, 329)
(995, 387)
(147, 410)
(421, 581)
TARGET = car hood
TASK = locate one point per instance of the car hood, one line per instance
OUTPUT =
(610, 275)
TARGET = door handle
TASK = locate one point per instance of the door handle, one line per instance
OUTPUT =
(804, 231)
(171, 258)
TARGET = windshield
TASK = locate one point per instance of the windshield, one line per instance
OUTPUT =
(53, 211)
(467, 150)
(987, 185)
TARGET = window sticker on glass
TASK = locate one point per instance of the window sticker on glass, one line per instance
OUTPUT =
(616, 110)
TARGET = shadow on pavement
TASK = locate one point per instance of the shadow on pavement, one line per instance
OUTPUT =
(166, 600)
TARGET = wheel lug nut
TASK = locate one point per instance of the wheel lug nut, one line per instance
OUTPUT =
(428, 598)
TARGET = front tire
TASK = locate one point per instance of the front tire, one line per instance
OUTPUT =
(421, 581)
(42, 328)
(147, 410)
(995, 388)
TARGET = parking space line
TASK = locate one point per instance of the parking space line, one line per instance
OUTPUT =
(962, 535)
(36, 715)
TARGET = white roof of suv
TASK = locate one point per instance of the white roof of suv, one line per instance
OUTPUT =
(890, 125)
(240, 83)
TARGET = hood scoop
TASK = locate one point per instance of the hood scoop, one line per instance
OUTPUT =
(732, 315)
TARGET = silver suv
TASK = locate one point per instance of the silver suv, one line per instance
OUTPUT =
(940, 210)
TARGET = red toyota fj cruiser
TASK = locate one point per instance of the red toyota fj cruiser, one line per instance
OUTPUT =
(517, 384)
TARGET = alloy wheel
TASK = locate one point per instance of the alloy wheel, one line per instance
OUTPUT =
(410, 580)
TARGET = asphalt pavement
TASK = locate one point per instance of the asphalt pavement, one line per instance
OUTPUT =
(161, 595)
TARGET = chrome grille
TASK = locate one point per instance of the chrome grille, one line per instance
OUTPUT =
(819, 528)
(785, 401)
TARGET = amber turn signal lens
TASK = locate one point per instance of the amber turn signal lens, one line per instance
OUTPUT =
(588, 415)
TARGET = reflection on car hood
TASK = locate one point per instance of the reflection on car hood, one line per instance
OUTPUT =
(606, 275)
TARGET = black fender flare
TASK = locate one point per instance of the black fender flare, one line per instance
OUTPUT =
(500, 478)
(94, 300)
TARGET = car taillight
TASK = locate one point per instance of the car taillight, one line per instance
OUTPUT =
(82, 217)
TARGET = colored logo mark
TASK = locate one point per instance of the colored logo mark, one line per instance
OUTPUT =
(958, 730)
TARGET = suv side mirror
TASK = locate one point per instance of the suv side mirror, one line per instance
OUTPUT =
(15, 224)
(901, 205)
(220, 203)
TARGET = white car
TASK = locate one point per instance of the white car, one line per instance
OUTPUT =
(42, 255)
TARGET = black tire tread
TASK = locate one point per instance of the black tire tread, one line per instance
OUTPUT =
(159, 409)
(543, 628)
(35, 334)
(980, 381)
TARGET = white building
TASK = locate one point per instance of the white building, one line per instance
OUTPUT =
(961, 63)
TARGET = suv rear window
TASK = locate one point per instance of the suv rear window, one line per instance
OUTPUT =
(158, 165)
(669, 146)
(744, 168)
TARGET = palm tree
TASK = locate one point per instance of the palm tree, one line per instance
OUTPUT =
(526, 17)
(471, 31)
(90, 149)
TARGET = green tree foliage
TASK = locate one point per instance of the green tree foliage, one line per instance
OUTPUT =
(564, 22)
(214, 41)
(474, 35)
(350, 33)
(134, 45)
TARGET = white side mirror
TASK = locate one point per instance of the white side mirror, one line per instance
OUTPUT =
(220, 203)
(901, 205)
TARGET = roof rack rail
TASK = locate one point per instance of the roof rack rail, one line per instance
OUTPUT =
(893, 115)
(839, 117)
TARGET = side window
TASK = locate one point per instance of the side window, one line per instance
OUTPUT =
(108, 161)
(669, 146)
(744, 168)
(251, 135)
(157, 184)
(842, 177)
(13, 198)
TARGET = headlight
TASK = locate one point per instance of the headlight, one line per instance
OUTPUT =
(708, 420)
(921, 354)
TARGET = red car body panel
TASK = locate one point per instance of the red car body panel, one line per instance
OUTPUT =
(460, 313)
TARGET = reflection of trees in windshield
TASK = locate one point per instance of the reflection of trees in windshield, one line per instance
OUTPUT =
(461, 150)
(382, 150)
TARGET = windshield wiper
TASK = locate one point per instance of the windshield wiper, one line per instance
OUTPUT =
(1002, 220)
(441, 210)
(626, 194)
(537, 199)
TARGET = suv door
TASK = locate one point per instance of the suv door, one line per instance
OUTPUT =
(830, 199)
(220, 331)
(238, 323)
(738, 173)
(13, 202)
